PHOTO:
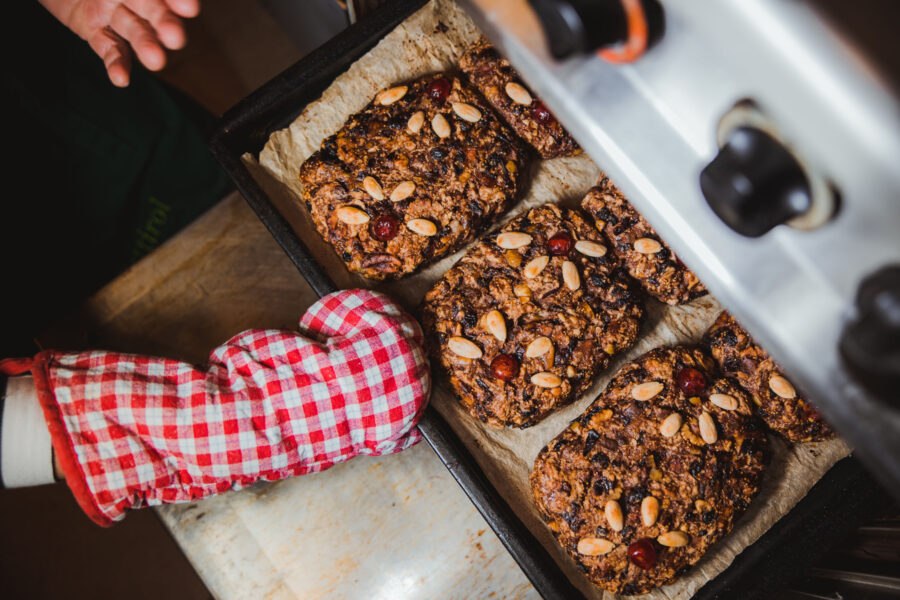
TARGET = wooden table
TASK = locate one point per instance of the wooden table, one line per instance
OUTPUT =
(395, 527)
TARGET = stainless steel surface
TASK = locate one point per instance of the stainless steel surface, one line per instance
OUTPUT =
(652, 126)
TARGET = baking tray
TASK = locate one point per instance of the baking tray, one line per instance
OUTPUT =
(840, 501)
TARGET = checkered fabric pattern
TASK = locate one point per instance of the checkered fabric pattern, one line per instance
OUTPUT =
(271, 404)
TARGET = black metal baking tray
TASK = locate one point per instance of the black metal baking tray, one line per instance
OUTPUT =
(839, 502)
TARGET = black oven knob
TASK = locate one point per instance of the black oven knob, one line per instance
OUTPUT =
(870, 343)
(754, 183)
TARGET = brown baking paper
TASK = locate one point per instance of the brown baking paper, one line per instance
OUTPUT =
(432, 40)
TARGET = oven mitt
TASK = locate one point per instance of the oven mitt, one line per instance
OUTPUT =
(133, 431)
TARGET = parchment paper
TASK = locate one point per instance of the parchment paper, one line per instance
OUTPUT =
(432, 40)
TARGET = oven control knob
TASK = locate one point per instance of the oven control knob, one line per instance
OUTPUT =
(755, 183)
(870, 343)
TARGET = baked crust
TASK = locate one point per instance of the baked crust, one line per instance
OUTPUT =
(660, 273)
(586, 326)
(740, 357)
(490, 73)
(462, 182)
(616, 452)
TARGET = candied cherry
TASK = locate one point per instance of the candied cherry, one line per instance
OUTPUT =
(385, 227)
(690, 381)
(541, 113)
(642, 553)
(505, 367)
(438, 90)
(560, 244)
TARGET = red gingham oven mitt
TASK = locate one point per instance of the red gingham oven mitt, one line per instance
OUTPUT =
(134, 431)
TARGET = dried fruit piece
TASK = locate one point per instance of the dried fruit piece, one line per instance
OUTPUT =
(541, 113)
(416, 121)
(463, 347)
(560, 244)
(642, 553)
(373, 188)
(351, 215)
(724, 401)
(649, 511)
(391, 95)
(614, 516)
(647, 246)
(545, 379)
(422, 227)
(708, 428)
(538, 347)
(670, 425)
(570, 275)
(513, 259)
(467, 112)
(438, 90)
(592, 249)
(505, 367)
(385, 227)
(782, 387)
(403, 191)
(494, 322)
(510, 240)
(690, 381)
(535, 266)
(647, 390)
(440, 126)
(593, 546)
(518, 93)
(673, 539)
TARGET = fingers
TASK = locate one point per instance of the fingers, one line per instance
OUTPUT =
(163, 19)
(141, 35)
(185, 8)
(116, 55)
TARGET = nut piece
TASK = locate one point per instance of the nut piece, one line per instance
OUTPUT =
(647, 246)
(403, 191)
(708, 428)
(373, 188)
(522, 291)
(670, 425)
(513, 259)
(614, 515)
(422, 227)
(416, 121)
(645, 391)
(440, 125)
(570, 275)
(518, 93)
(494, 322)
(391, 95)
(538, 347)
(510, 240)
(535, 266)
(545, 379)
(592, 546)
(463, 347)
(782, 387)
(467, 112)
(592, 249)
(673, 539)
(351, 215)
(649, 511)
(724, 401)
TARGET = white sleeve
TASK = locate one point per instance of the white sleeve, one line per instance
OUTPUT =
(26, 454)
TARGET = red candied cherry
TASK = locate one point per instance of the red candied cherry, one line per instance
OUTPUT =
(541, 113)
(690, 381)
(438, 90)
(560, 244)
(505, 367)
(642, 553)
(385, 227)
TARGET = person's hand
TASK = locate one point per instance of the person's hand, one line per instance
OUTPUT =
(118, 29)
